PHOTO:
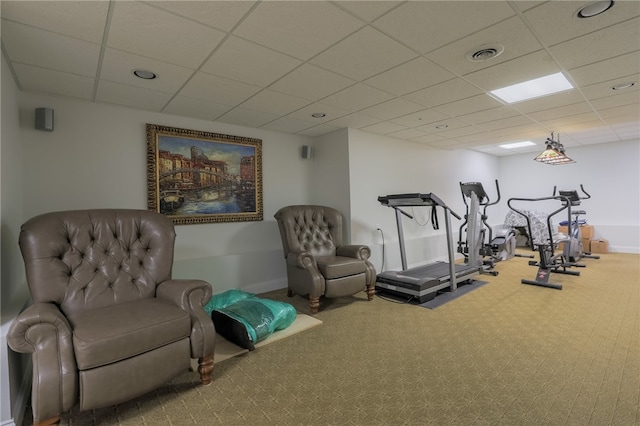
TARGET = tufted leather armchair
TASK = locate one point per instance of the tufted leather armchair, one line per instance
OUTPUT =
(317, 262)
(107, 322)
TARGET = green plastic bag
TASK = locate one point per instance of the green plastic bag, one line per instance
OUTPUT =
(260, 317)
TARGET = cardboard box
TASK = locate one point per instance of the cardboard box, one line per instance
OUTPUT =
(585, 230)
(599, 246)
(586, 244)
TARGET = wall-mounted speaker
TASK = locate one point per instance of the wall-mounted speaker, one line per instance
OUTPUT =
(306, 151)
(44, 119)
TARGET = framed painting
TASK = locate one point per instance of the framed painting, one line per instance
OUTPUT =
(200, 177)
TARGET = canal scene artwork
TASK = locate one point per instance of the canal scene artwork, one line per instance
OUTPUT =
(201, 177)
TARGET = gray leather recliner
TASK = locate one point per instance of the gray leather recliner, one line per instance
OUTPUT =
(107, 323)
(318, 264)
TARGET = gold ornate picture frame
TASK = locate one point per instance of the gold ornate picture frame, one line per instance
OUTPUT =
(198, 177)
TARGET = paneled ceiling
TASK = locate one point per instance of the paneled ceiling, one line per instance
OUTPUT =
(398, 68)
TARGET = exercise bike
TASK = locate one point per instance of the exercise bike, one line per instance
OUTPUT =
(549, 262)
(480, 248)
(573, 249)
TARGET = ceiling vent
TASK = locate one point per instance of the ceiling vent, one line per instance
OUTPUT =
(484, 53)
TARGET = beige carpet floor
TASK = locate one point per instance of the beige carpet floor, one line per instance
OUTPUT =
(504, 354)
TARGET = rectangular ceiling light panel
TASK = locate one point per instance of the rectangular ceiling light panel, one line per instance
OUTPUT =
(535, 88)
(517, 145)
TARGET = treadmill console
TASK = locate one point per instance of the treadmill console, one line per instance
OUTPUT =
(410, 200)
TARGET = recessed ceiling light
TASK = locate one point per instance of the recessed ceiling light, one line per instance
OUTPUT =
(535, 88)
(144, 74)
(318, 115)
(517, 144)
(595, 8)
(623, 86)
(484, 53)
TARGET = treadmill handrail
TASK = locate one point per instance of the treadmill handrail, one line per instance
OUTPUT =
(415, 200)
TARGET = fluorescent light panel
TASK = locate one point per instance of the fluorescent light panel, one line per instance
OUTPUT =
(517, 145)
(535, 88)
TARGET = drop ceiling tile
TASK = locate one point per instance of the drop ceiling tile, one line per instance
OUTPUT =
(137, 97)
(560, 124)
(563, 111)
(197, 108)
(420, 24)
(616, 114)
(443, 93)
(556, 21)
(629, 98)
(443, 126)
(299, 29)
(599, 45)
(236, 59)
(407, 134)
(523, 68)
(368, 10)
(604, 89)
(331, 113)
(118, 67)
(145, 30)
(84, 20)
(392, 109)
(217, 89)
(354, 120)
(469, 105)
(357, 97)
(247, 117)
(318, 130)
(383, 128)
(223, 15)
(287, 125)
(420, 118)
(274, 102)
(311, 82)
(429, 138)
(54, 82)
(552, 101)
(462, 131)
(609, 69)
(364, 54)
(48, 50)
(505, 123)
(410, 76)
(453, 57)
(489, 115)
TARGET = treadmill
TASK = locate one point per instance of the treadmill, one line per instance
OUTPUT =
(423, 282)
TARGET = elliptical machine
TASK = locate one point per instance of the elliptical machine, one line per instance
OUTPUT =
(573, 249)
(480, 248)
(549, 262)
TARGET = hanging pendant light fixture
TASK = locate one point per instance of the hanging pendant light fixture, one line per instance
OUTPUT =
(554, 154)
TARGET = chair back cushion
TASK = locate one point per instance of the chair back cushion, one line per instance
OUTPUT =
(315, 229)
(87, 259)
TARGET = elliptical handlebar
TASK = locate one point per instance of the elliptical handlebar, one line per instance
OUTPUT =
(566, 205)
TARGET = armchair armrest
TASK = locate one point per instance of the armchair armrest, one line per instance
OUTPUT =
(302, 259)
(43, 330)
(191, 296)
(361, 252)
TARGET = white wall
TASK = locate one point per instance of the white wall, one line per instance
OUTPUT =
(96, 158)
(14, 368)
(380, 165)
(609, 172)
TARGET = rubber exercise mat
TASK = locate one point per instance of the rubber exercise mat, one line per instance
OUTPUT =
(447, 296)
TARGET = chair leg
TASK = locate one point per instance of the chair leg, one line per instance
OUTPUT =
(314, 304)
(48, 422)
(371, 291)
(205, 368)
